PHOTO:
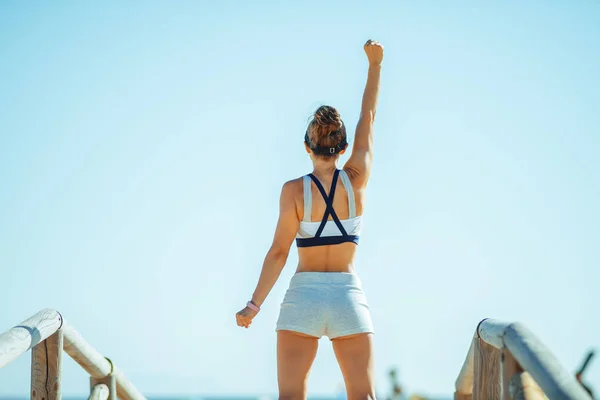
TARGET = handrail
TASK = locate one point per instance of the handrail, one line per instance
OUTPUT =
(97, 365)
(527, 354)
(28, 334)
(43, 326)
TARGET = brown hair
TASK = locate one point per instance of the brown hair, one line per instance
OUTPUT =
(326, 132)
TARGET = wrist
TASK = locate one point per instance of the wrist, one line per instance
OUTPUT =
(254, 301)
(375, 65)
(252, 306)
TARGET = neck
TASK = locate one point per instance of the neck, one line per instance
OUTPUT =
(324, 167)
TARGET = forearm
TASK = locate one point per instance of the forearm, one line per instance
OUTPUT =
(371, 94)
(272, 267)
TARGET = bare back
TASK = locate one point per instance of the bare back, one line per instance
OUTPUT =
(332, 258)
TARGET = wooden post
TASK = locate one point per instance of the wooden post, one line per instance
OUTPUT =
(39, 372)
(544, 375)
(523, 387)
(486, 382)
(464, 383)
(36, 333)
(46, 361)
(99, 392)
(110, 382)
(54, 345)
(462, 396)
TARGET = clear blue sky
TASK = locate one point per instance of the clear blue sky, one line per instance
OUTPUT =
(143, 146)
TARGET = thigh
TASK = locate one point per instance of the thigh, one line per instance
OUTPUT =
(295, 355)
(355, 357)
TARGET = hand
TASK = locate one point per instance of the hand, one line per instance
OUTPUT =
(244, 318)
(374, 52)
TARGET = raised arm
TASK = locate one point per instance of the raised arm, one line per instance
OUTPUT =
(359, 163)
(287, 226)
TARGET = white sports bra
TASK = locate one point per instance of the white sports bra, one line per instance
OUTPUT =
(327, 232)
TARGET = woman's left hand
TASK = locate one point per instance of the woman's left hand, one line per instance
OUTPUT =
(244, 318)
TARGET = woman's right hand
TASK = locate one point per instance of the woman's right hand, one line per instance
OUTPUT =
(374, 51)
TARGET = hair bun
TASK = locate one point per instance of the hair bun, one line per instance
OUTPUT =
(329, 118)
(325, 132)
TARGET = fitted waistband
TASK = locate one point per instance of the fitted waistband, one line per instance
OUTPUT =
(331, 278)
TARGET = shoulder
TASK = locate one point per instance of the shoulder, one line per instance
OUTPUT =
(292, 193)
(293, 186)
(292, 189)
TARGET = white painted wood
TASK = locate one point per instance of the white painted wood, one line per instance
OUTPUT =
(34, 331)
(28, 334)
(125, 389)
(491, 331)
(110, 382)
(99, 392)
(84, 354)
(97, 365)
(535, 358)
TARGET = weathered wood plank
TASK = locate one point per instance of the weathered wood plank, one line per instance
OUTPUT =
(46, 360)
(54, 347)
(39, 372)
(486, 381)
(28, 334)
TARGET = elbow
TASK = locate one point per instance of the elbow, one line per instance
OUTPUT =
(279, 254)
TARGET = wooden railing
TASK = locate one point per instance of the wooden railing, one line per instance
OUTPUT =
(504, 362)
(507, 361)
(47, 334)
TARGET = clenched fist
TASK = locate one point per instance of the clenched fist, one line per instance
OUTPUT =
(374, 51)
